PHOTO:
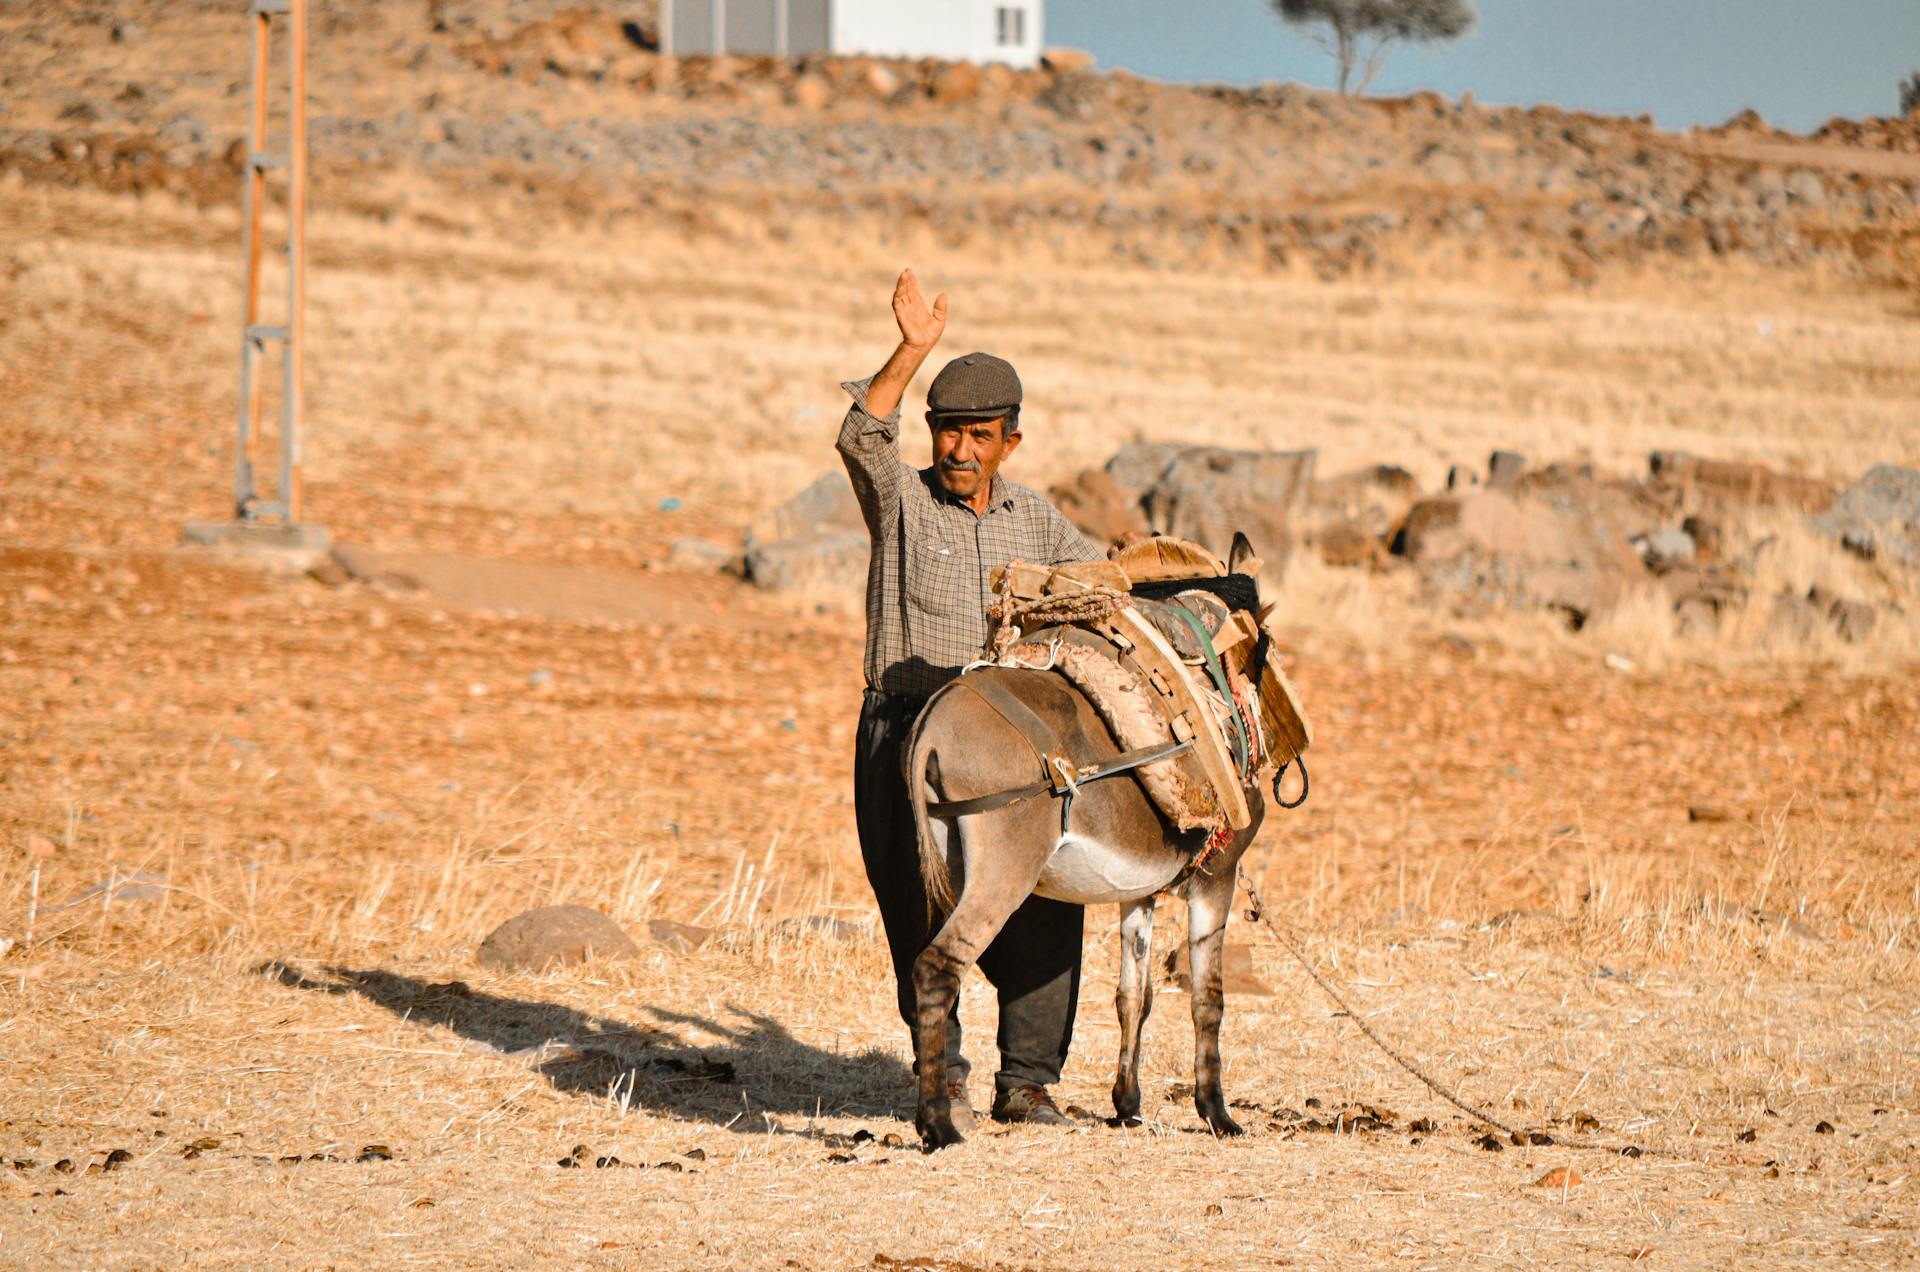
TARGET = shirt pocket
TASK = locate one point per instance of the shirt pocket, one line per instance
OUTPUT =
(940, 578)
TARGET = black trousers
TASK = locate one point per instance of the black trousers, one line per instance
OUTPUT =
(1034, 964)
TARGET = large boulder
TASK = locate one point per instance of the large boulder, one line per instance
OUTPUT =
(1735, 482)
(554, 936)
(815, 541)
(1348, 519)
(825, 505)
(1138, 465)
(1207, 493)
(1879, 515)
(1497, 547)
(832, 562)
(1105, 511)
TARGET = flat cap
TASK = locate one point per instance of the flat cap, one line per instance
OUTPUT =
(977, 384)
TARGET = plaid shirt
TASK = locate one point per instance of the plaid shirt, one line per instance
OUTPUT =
(927, 592)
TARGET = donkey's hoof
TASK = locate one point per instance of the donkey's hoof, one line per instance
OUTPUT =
(937, 1133)
(1218, 1121)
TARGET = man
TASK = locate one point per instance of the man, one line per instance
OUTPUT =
(938, 535)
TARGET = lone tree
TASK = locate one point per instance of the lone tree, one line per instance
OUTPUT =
(1365, 31)
(1910, 94)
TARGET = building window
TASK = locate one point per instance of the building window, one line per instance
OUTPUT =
(1010, 25)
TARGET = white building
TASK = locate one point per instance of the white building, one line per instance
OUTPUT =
(953, 30)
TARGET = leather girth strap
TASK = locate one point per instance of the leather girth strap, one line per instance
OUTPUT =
(1046, 747)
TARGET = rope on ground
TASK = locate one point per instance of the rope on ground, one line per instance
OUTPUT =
(1478, 1114)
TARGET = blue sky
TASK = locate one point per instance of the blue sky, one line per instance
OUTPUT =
(1798, 62)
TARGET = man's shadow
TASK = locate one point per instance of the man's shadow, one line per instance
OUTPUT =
(755, 1067)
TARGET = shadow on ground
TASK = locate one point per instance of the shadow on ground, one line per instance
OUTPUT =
(756, 1066)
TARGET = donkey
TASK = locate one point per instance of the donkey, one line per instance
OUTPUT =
(1116, 848)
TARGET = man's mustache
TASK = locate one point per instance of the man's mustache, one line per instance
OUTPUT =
(960, 465)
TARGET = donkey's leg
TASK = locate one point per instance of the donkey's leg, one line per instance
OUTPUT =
(995, 887)
(1134, 999)
(1209, 902)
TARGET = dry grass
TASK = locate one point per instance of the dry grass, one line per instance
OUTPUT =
(1499, 855)
(1498, 861)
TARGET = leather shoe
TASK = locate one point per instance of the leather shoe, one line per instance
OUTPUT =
(1030, 1104)
(959, 1109)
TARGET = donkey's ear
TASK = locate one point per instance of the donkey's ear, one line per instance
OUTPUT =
(1240, 559)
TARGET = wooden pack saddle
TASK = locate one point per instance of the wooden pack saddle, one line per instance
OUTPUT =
(1189, 663)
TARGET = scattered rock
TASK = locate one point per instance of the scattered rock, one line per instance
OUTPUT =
(1737, 482)
(1561, 1177)
(329, 571)
(1709, 813)
(955, 82)
(1424, 521)
(1504, 468)
(1720, 908)
(1461, 478)
(1707, 536)
(365, 565)
(1852, 620)
(554, 936)
(1665, 547)
(1061, 61)
(702, 556)
(141, 885)
(834, 929)
(1823, 1127)
(1793, 619)
(681, 938)
(1103, 509)
(1349, 544)
(1878, 516)
(811, 92)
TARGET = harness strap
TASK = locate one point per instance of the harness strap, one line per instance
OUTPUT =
(1038, 734)
(1125, 762)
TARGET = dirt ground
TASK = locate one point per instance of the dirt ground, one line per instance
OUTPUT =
(253, 826)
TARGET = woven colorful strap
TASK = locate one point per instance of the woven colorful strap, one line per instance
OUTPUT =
(1240, 748)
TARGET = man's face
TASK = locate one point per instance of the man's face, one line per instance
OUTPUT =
(968, 452)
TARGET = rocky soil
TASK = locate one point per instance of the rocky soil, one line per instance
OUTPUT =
(530, 100)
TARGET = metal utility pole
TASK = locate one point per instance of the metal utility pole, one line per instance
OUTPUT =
(272, 518)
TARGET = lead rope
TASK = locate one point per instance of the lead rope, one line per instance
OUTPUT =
(1478, 1114)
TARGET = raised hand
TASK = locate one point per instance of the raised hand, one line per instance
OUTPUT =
(920, 327)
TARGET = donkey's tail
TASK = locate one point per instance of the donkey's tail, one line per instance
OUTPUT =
(935, 874)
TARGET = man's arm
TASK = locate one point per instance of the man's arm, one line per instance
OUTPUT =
(920, 330)
(870, 436)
